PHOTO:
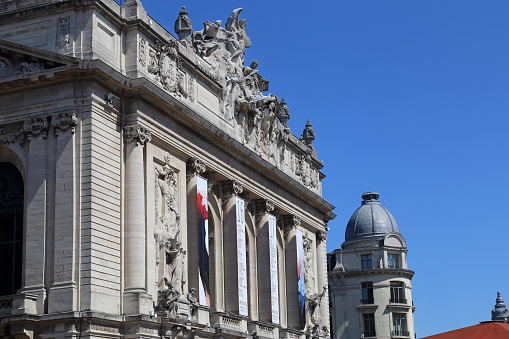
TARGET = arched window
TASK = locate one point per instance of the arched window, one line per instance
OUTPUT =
(11, 228)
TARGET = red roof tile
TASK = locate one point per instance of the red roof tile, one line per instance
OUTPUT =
(491, 330)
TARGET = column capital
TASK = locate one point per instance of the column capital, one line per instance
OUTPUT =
(138, 134)
(35, 126)
(196, 166)
(263, 206)
(290, 221)
(231, 188)
(64, 120)
(321, 236)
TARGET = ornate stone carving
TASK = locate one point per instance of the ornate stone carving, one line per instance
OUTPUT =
(63, 32)
(35, 126)
(193, 302)
(317, 328)
(321, 235)
(231, 187)
(131, 329)
(196, 166)
(304, 170)
(138, 134)
(308, 135)
(15, 136)
(190, 89)
(183, 26)
(143, 56)
(64, 120)
(284, 113)
(10, 67)
(264, 206)
(165, 65)
(290, 221)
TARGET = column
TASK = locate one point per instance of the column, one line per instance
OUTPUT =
(263, 208)
(321, 271)
(136, 299)
(291, 223)
(35, 232)
(64, 291)
(197, 232)
(231, 189)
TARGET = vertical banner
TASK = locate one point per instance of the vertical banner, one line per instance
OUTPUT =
(274, 281)
(300, 280)
(203, 243)
(241, 257)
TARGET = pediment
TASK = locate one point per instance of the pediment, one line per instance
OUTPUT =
(17, 59)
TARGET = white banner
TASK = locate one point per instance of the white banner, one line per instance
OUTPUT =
(274, 282)
(241, 257)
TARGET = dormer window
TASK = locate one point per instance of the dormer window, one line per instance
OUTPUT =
(366, 261)
(393, 260)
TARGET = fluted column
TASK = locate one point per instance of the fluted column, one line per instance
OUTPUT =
(135, 299)
(321, 271)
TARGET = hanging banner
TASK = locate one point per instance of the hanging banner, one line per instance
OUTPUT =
(241, 257)
(300, 280)
(203, 243)
(274, 282)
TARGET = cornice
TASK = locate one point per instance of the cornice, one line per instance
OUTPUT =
(375, 271)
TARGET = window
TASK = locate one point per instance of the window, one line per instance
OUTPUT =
(367, 293)
(397, 292)
(366, 261)
(393, 260)
(369, 324)
(11, 228)
(399, 325)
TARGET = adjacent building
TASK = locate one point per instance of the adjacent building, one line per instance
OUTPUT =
(150, 186)
(369, 280)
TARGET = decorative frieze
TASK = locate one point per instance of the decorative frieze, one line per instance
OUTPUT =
(64, 121)
(138, 134)
(35, 126)
(143, 55)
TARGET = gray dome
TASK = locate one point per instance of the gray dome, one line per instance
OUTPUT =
(370, 220)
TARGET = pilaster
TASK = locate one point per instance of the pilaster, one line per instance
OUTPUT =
(64, 291)
(35, 232)
(290, 224)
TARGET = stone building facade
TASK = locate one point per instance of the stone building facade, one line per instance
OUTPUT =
(152, 187)
(369, 279)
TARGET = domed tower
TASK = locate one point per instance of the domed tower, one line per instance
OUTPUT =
(369, 281)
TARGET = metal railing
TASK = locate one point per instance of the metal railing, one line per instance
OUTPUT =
(369, 334)
(369, 301)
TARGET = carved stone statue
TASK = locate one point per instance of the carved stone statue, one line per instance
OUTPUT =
(193, 302)
(314, 300)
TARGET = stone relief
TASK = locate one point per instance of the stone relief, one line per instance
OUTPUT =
(63, 32)
(10, 67)
(143, 58)
(304, 170)
(12, 137)
(164, 63)
(168, 239)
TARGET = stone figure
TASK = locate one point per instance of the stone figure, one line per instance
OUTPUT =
(193, 302)
(175, 263)
(314, 312)
(168, 299)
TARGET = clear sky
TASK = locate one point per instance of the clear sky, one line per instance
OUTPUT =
(409, 99)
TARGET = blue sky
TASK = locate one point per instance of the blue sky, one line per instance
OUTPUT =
(409, 99)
